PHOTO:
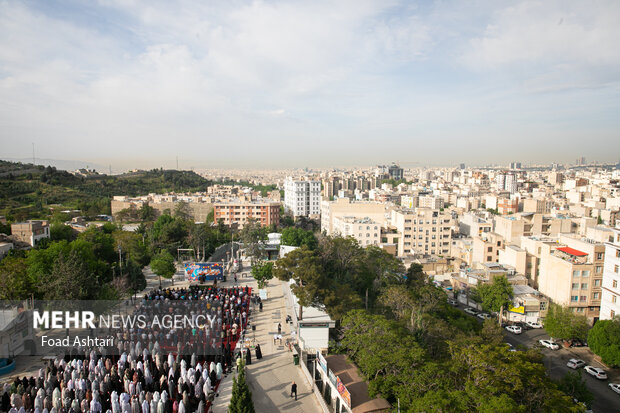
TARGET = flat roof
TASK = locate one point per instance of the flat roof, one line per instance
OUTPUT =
(356, 385)
(572, 251)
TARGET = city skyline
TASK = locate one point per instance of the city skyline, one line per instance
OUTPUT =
(265, 84)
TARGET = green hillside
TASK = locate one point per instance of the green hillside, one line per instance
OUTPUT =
(28, 191)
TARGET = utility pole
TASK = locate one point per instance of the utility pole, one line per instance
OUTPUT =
(177, 162)
(33, 158)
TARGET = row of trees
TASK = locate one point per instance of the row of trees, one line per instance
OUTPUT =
(411, 346)
(100, 263)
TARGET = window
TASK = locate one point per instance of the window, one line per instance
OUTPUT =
(596, 296)
(585, 273)
(597, 283)
(576, 273)
(599, 255)
(613, 298)
(574, 298)
(584, 286)
(490, 249)
(583, 298)
(617, 253)
(615, 284)
(616, 268)
(598, 269)
(575, 286)
(543, 305)
(579, 309)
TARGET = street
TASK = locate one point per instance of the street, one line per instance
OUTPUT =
(605, 400)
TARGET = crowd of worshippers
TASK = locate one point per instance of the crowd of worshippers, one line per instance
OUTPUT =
(150, 370)
(154, 384)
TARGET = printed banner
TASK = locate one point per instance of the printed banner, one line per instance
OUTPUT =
(204, 271)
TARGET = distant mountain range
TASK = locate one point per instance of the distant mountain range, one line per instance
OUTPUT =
(61, 164)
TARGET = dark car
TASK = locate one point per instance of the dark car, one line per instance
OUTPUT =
(578, 343)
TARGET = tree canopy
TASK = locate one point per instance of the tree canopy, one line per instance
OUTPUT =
(262, 272)
(562, 323)
(604, 340)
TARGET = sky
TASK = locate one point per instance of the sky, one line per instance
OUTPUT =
(255, 84)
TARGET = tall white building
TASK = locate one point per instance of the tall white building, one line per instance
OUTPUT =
(506, 182)
(302, 197)
(610, 300)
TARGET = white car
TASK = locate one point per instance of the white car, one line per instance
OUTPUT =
(533, 324)
(510, 347)
(615, 387)
(596, 372)
(549, 344)
(471, 311)
(514, 329)
(483, 316)
(575, 364)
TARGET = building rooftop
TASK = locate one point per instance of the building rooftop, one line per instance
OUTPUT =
(355, 384)
(572, 251)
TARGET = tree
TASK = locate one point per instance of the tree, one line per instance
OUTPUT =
(572, 383)
(182, 211)
(146, 212)
(495, 296)
(241, 398)
(60, 231)
(71, 279)
(561, 322)
(162, 264)
(15, 284)
(262, 272)
(297, 237)
(252, 234)
(604, 340)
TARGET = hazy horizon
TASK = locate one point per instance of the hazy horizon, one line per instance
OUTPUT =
(255, 84)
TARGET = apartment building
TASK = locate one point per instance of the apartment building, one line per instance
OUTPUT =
(537, 206)
(238, 212)
(571, 274)
(610, 301)
(364, 230)
(302, 197)
(506, 206)
(423, 231)
(513, 227)
(432, 202)
(486, 247)
(199, 206)
(342, 207)
(30, 232)
(471, 224)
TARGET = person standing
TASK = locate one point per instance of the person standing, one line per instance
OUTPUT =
(294, 390)
(279, 328)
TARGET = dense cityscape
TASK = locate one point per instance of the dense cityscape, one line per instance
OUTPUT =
(309, 206)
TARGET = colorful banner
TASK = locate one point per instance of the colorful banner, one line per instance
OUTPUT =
(210, 271)
(344, 393)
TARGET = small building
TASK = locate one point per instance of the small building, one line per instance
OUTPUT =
(5, 247)
(343, 388)
(31, 232)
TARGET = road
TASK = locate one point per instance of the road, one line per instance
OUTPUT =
(605, 400)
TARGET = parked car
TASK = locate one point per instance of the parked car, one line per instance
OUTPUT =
(453, 302)
(471, 311)
(549, 344)
(483, 316)
(578, 343)
(575, 363)
(615, 387)
(597, 372)
(533, 324)
(510, 347)
(524, 326)
(514, 329)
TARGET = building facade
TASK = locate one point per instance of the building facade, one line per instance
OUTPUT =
(30, 232)
(302, 197)
(423, 231)
(610, 302)
(239, 212)
(364, 230)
